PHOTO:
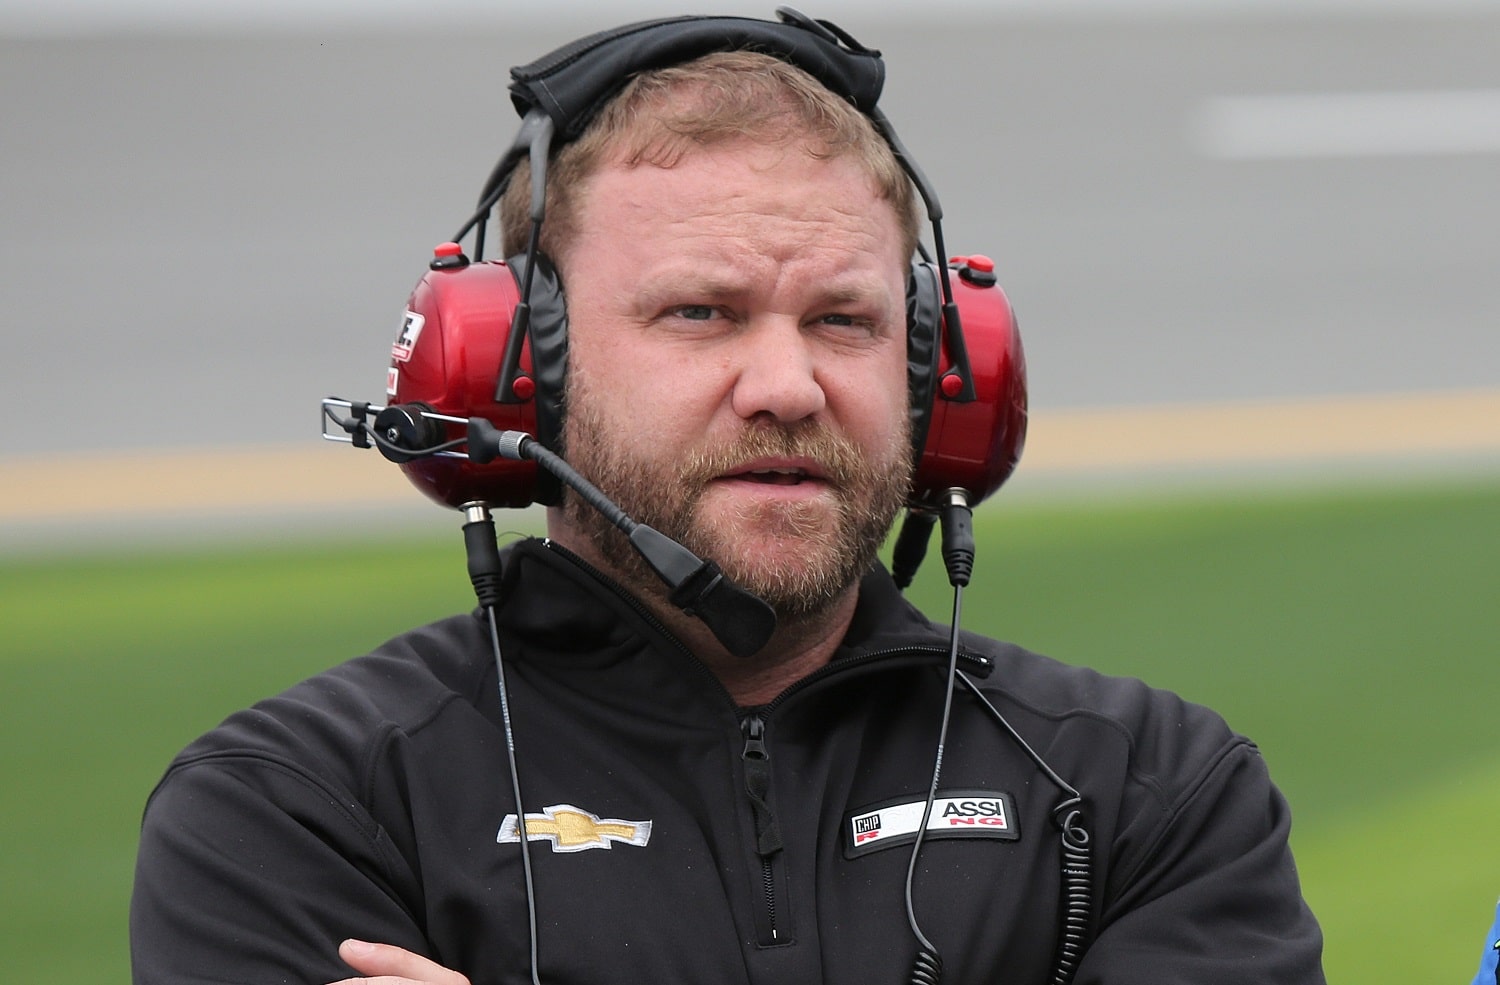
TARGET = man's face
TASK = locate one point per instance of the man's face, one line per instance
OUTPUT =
(737, 365)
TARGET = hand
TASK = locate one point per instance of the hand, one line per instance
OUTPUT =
(387, 964)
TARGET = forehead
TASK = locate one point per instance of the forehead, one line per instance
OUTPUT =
(782, 201)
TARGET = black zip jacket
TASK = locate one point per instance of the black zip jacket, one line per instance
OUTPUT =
(676, 838)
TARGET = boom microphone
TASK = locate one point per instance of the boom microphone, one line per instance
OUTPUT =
(739, 620)
(742, 622)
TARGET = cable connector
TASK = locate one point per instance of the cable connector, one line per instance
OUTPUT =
(958, 536)
(483, 553)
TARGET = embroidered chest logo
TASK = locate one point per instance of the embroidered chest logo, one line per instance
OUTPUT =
(573, 829)
(955, 814)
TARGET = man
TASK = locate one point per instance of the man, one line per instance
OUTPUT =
(735, 243)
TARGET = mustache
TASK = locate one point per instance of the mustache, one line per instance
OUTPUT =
(840, 461)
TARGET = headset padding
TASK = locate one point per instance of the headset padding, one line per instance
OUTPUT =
(924, 318)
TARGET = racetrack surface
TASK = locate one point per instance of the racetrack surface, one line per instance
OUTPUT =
(207, 234)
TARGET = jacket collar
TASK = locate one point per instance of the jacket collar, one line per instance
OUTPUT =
(556, 600)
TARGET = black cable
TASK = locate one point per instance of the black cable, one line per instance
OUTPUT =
(484, 573)
(354, 426)
(1074, 798)
(396, 448)
(927, 967)
(520, 323)
(958, 559)
(1077, 891)
(911, 546)
(515, 783)
(1077, 851)
(533, 139)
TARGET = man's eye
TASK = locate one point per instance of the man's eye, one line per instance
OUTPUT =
(848, 324)
(695, 312)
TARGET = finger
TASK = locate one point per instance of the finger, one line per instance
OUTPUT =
(396, 964)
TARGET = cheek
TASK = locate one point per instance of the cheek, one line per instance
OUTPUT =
(874, 405)
(641, 396)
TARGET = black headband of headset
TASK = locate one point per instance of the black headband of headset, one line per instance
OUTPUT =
(571, 83)
(561, 92)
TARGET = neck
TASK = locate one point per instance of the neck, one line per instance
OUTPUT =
(797, 648)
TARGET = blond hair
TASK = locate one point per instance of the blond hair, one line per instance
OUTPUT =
(662, 114)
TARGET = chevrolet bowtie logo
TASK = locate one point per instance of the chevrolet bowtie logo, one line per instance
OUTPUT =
(572, 829)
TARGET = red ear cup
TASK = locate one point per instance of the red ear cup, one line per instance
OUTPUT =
(976, 445)
(448, 356)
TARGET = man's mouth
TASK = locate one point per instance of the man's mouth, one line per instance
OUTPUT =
(775, 477)
(777, 472)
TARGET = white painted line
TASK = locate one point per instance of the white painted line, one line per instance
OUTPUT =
(188, 483)
(1351, 124)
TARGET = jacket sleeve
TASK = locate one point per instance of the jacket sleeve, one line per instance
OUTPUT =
(251, 870)
(1211, 895)
(1490, 956)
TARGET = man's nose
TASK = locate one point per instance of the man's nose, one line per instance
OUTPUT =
(778, 373)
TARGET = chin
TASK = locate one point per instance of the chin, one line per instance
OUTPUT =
(796, 576)
(798, 557)
(776, 543)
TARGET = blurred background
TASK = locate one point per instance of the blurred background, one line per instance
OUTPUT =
(1252, 248)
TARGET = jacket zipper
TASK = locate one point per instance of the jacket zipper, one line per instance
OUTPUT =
(768, 843)
(755, 756)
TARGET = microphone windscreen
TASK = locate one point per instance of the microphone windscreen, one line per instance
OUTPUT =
(742, 622)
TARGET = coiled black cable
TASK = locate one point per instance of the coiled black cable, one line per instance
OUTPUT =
(1077, 851)
(927, 969)
(1077, 889)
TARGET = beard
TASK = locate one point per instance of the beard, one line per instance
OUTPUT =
(799, 557)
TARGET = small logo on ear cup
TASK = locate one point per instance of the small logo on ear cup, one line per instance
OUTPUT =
(406, 341)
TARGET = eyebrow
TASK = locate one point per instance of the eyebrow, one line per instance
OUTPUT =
(855, 290)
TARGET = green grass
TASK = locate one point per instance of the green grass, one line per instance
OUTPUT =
(1406, 888)
(1351, 634)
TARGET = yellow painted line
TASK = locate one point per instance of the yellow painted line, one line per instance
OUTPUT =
(199, 481)
(326, 475)
(1330, 429)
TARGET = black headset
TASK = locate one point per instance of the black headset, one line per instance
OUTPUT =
(489, 339)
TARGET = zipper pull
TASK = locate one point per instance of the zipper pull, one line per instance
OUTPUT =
(758, 785)
(754, 728)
